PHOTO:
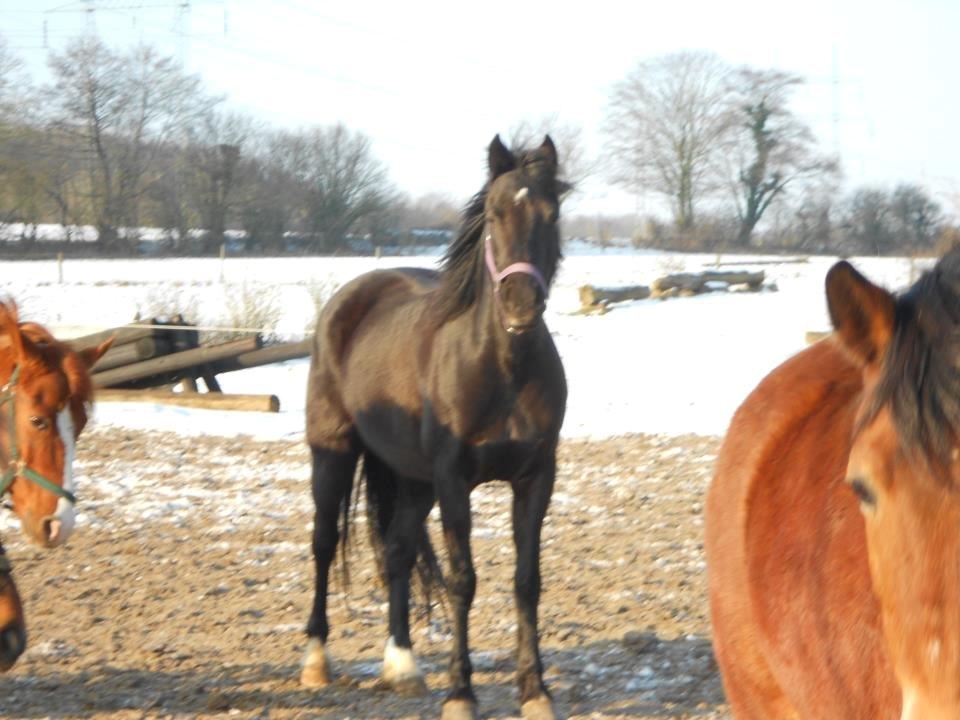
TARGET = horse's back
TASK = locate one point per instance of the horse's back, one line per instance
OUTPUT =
(796, 626)
(369, 319)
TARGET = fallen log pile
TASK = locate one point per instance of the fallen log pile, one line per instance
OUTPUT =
(148, 360)
(597, 300)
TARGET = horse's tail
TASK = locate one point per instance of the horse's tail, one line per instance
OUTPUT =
(382, 491)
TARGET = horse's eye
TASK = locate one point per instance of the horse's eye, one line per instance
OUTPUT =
(38, 422)
(863, 491)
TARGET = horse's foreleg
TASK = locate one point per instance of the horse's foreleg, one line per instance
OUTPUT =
(460, 703)
(531, 496)
(332, 480)
(400, 670)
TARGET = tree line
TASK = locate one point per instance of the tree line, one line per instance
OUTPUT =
(125, 139)
(121, 140)
(739, 168)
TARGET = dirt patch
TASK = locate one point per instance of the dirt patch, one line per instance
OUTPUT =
(188, 583)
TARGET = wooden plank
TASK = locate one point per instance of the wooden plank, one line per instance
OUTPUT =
(207, 401)
(124, 335)
(141, 349)
(264, 356)
(176, 362)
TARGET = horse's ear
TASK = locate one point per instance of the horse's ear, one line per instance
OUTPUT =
(10, 324)
(549, 152)
(499, 159)
(91, 355)
(862, 313)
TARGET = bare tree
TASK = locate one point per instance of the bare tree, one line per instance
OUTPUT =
(575, 165)
(13, 84)
(214, 149)
(343, 183)
(665, 124)
(918, 217)
(123, 109)
(771, 147)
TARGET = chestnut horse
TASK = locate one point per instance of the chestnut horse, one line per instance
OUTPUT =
(833, 522)
(43, 407)
(441, 381)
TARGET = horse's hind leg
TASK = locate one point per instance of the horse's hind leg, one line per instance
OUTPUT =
(414, 500)
(332, 481)
(531, 496)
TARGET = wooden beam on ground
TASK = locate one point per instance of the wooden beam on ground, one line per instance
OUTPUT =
(264, 356)
(176, 362)
(124, 335)
(132, 352)
(206, 401)
(591, 296)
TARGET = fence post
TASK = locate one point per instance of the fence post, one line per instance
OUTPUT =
(223, 259)
(60, 268)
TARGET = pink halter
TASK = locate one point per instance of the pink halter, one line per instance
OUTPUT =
(499, 276)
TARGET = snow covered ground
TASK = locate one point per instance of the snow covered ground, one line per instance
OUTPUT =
(677, 366)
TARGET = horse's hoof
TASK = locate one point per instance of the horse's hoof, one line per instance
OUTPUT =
(460, 710)
(539, 709)
(410, 687)
(314, 676)
(316, 666)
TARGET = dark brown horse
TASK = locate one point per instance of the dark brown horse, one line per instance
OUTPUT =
(43, 407)
(833, 523)
(442, 381)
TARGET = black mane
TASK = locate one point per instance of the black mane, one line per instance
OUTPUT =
(461, 269)
(920, 375)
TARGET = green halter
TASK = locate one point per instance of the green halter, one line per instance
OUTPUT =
(17, 467)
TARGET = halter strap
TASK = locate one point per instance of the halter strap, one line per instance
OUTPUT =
(499, 276)
(17, 467)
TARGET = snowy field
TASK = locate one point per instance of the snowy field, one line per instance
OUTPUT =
(663, 367)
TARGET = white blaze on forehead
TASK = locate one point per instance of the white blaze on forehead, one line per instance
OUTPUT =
(521, 194)
(64, 512)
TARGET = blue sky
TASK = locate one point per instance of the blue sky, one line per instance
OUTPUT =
(431, 82)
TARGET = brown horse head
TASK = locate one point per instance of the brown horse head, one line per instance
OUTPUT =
(13, 632)
(43, 408)
(904, 468)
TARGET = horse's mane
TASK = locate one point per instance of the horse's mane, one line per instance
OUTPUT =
(461, 267)
(920, 372)
(462, 264)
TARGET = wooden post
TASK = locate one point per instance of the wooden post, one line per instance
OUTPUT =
(209, 401)
(223, 259)
(377, 252)
(60, 268)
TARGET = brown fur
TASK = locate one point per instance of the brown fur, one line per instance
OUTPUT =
(821, 608)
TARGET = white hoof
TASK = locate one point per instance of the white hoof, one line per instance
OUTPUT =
(316, 665)
(539, 709)
(400, 670)
(460, 710)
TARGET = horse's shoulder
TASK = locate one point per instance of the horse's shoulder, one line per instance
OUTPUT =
(782, 530)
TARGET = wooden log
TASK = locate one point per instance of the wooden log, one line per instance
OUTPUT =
(209, 401)
(697, 282)
(163, 366)
(123, 335)
(131, 352)
(265, 356)
(591, 296)
(813, 336)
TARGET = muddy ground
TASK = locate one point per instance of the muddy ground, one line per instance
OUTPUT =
(186, 587)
